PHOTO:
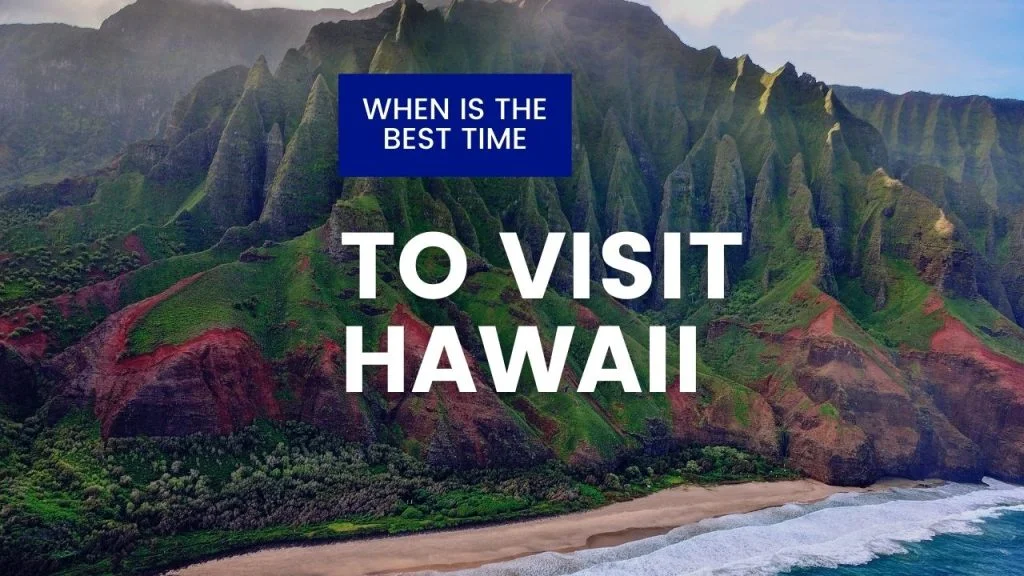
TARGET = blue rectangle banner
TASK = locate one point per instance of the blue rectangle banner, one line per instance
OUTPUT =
(454, 125)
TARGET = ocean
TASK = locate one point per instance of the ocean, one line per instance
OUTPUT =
(953, 529)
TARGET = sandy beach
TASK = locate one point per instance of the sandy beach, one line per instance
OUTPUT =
(441, 551)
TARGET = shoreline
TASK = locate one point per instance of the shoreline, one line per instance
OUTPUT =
(460, 549)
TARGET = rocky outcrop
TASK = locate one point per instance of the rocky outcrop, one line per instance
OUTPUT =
(214, 384)
(714, 420)
(316, 378)
(980, 391)
(851, 415)
(920, 232)
(360, 214)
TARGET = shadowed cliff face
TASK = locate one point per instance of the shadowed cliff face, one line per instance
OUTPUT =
(832, 351)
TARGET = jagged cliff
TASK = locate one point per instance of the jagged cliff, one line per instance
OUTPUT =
(857, 305)
(975, 139)
(967, 155)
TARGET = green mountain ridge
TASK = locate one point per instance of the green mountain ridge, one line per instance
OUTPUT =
(72, 98)
(198, 284)
(966, 154)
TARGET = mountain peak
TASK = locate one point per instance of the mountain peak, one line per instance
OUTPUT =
(153, 9)
(406, 13)
(320, 94)
(405, 6)
(259, 74)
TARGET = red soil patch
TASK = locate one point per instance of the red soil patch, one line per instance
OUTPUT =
(12, 323)
(956, 339)
(31, 346)
(329, 357)
(683, 408)
(320, 392)
(982, 393)
(107, 294)
(417, 333)
(241, 387)
(586, 318)
(933, 304)
(133, 243)
(824, 325)
(214, 383)
(417, 336)
(124, 321)
(548, 427)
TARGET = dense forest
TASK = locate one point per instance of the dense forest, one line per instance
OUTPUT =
(72, 503)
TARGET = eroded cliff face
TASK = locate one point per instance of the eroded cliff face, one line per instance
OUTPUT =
(865, 334)
(980, 391)
(447, 427)
(855, 414)
(212, 384)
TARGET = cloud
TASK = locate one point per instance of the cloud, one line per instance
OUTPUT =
(697, 13)
(826, 33)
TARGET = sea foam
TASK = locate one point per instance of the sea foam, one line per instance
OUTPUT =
(846, 529)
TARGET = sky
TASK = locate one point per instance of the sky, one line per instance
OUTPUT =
(944, 46)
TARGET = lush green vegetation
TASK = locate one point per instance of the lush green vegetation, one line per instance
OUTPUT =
(290, 296)
(904, 319)
(46, 271)
(19, 216)
(73, 504)
(667, 139)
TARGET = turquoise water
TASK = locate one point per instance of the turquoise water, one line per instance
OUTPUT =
(953, 529)
(997, 551)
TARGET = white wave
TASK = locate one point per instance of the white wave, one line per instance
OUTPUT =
(846, 529)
